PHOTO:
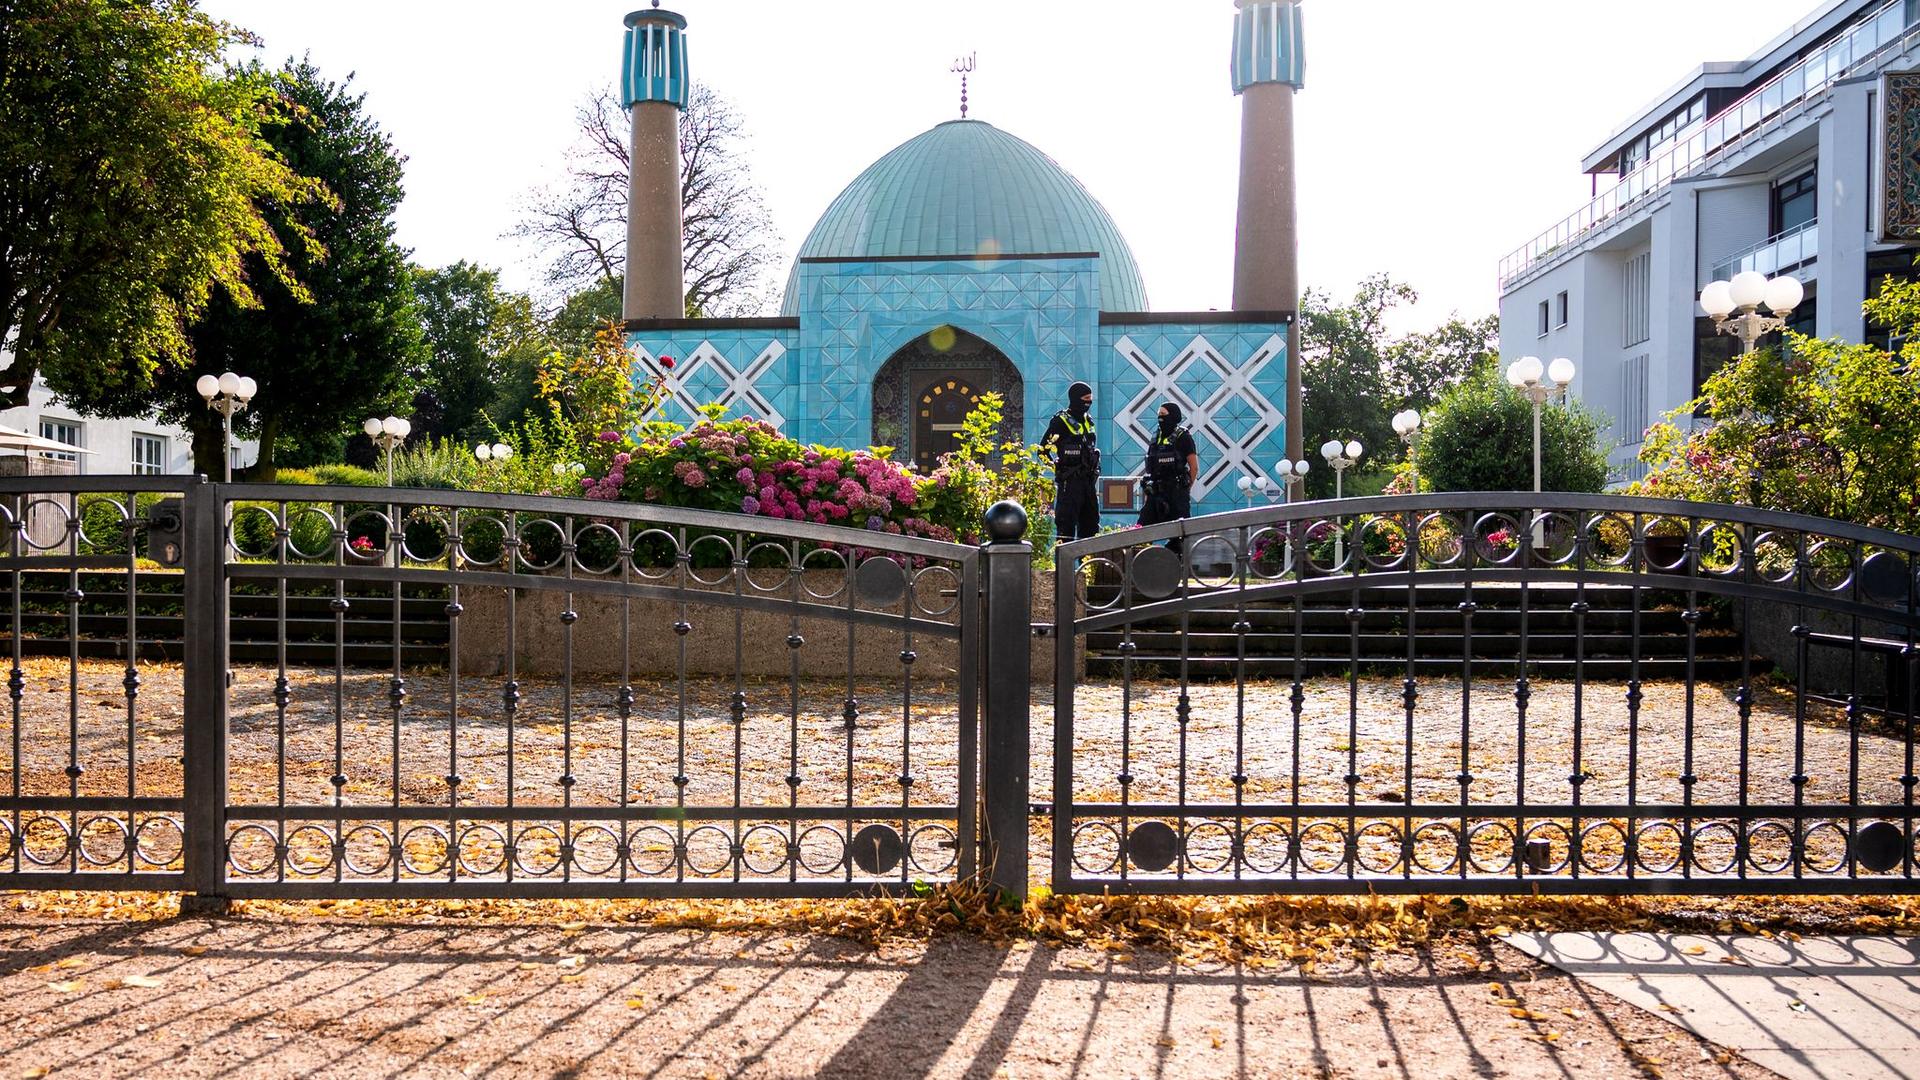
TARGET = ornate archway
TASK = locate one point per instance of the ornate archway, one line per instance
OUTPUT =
(924, 391)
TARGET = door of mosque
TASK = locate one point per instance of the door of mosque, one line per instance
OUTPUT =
(940, 411)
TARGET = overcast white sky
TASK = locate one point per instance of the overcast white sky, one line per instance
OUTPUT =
(1433, 138)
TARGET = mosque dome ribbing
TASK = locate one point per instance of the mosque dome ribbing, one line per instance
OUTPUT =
(966, 188)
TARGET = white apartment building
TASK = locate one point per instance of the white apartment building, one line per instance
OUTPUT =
(1775, 163)
(113, 447)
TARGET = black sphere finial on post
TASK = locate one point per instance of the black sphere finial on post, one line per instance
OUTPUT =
(1005, 522)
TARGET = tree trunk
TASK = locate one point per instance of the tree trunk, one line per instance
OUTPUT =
(263, 470)
(208, 454)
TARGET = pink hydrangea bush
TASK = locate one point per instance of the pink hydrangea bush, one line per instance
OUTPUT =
(747, 466)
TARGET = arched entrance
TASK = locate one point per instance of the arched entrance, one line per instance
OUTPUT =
(923, 393)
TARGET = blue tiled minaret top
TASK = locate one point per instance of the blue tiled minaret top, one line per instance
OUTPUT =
(654, 66)
(1268, 45)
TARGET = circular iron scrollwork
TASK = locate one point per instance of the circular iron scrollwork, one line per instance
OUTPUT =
(1153, 846)
(877, 849)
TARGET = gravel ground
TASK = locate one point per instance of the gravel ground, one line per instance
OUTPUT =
(325, 998)
(346, 728)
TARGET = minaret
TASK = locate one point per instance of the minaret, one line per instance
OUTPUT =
(653, 87)
(1268, 67)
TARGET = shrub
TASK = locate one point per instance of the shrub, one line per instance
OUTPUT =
(346, 476)
(1816, 427)
(1479, 437)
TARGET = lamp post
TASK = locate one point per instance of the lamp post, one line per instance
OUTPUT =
(387, 435)
(1529, 376)
(1407, 426)
(1342, 457)
(226, 394)
(1291, 473)
(1735, 305)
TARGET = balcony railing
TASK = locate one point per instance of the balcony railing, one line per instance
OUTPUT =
(1787, 251)
(1885, 31)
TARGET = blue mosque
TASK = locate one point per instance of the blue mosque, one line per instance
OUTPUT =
(967, 261)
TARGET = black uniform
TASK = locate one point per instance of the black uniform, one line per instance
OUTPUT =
(1169, 481)
(1075, 448)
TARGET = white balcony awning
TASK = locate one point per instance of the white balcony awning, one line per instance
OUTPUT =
(15, 439)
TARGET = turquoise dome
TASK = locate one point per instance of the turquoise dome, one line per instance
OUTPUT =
(963, 188)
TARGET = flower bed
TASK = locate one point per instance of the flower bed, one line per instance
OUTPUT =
(746, 466)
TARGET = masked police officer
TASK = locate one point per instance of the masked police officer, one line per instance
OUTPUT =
(1173, 464)
(1074, 448)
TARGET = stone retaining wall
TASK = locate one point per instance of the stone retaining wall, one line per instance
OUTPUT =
(654, 649)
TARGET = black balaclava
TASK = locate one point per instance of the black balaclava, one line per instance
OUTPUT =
(1170, 416)
(1079, 398)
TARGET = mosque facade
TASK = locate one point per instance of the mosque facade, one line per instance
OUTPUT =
(967, 261)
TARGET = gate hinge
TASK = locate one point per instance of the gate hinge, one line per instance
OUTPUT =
(1040, 809)
(1043, 629)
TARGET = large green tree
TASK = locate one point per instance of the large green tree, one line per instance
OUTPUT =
(483, 346)
(327, 360)
(1356, 373)
(1343, 371)
(133, 184)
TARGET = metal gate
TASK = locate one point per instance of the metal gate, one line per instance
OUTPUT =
(251, 691)
(571, 698)
(1357, 697)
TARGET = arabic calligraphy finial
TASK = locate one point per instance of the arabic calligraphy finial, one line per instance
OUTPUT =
(962, 67)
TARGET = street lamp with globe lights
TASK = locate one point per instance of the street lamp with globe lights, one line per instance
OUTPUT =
(1407, 426)
(1291, 473)
(1735, 305)
(226, 394)
(387, 435)
(1531, 377)
(1342, 457)
(484, 452)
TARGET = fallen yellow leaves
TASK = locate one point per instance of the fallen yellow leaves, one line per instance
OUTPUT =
(67, 987)
(1257, 931)
(139, 982)
(35, 1073)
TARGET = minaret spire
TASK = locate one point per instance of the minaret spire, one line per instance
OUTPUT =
(654, 86)
(1269, 51)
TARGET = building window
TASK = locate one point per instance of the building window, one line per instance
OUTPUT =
(1796, 202)
(149, 455)
(1886, 266)
(1560, 310)
(1633, 402)
(62, 431)
(1638, 304)
(1545, 315)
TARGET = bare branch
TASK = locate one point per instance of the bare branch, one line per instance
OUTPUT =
(579, 225)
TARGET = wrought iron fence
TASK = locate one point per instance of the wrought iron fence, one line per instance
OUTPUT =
(628, 700)
(459, 694)
(1421, 773)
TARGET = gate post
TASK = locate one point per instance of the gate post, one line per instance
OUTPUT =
(204, 606)
(1008, 698)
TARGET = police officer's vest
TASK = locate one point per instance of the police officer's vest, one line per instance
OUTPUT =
(1165, 467)
(1078, 451)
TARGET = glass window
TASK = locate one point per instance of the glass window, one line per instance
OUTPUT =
(62, 431)
(1560, 310)
(1795, 202)
(1545, 315)
(149, 455)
